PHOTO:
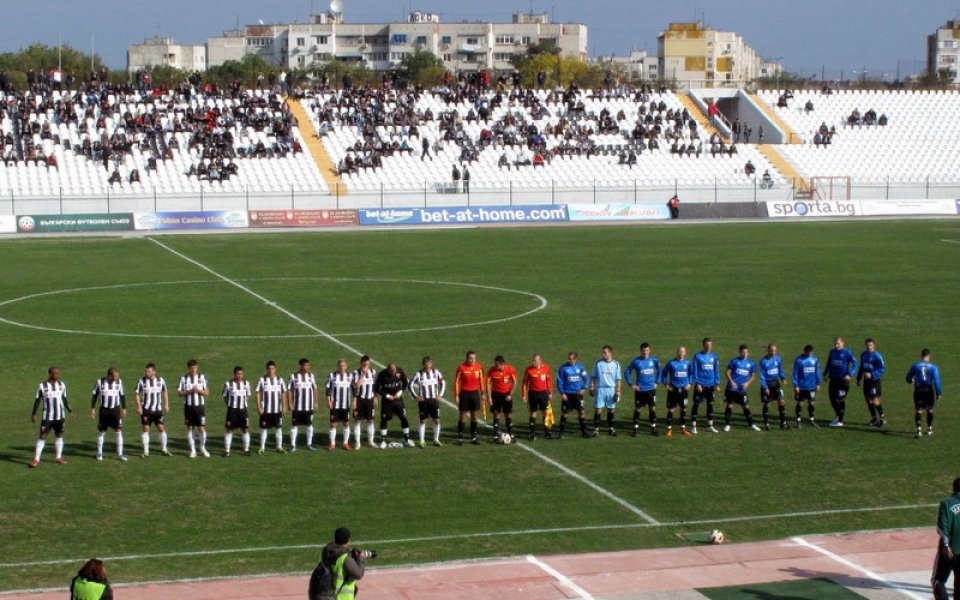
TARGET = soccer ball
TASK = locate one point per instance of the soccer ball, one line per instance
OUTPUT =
(717, 537)
(506, 438)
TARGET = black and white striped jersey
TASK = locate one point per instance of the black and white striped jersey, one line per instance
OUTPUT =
(53, 395)
(236, 393)
(339, 388)
(428, 383)
(365, 386)
(108, 393)
(303, 391)
(189, 382)
(151, 393)
(270, 391)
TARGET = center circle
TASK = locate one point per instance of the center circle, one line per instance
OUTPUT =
(540, 300)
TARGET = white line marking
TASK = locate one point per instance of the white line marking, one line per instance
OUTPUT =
(563, 579)
(484, 534)
(951, 241)
(350, 348)
(862, 570)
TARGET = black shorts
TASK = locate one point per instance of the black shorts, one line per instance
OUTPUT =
(707, 393)
(924, 398)
(365, 409)
(677, 397)
(54, 426)
(194, 416)
(152, 418)
(429, 408)
(339, 415)
(538, 401)
(871, 389)
(735, 397)
(302, 417)
(643, 398)
(773, 393)
(838, 389)
(570, 402)
(500, 403)
(805, 395)
(109, 419)
(237, 418)
(271, 420)
(469, 401)
(392, 408)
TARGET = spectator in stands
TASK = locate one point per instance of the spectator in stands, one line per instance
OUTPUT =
(135, 176)
(760, 134)
(818, 140)
(541, 79)
(766, 181)
(115, 177)
(52, 162)
(503, 161)
(674, 205)
(747, 132)
(456, 179)
(870, 117)
(537, 160)
(425, 153)
(749, 169)
(736, 128)
(808, 107)
(466, 179)
(854, 118)
(732, 150)
(882, 121)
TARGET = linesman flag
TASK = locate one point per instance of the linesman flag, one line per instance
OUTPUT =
(483, 406)
(548, 420)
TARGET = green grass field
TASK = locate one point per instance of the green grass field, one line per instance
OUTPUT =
(788, 282)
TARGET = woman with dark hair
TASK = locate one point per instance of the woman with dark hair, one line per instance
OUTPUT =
(91, 582)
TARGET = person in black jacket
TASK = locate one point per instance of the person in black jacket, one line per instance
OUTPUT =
(344, 577)
(391, 382)
(91, 582)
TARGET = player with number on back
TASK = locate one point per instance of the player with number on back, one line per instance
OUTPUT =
(193, 389)
(925, 377)
(605, 385)
(806, 384)
(706, 379)
(772, 377)
(841, 367)
(236, 395)
(271, 393)
(741, 372)
(872, 368)
(152, 402)
(646, 370)
(676, 376)
(52, 394)
(108, 392)
(573, 381)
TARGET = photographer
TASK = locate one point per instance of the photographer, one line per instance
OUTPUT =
(345, 565)
(91, 583)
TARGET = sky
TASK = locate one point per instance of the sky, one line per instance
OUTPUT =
(811, 36)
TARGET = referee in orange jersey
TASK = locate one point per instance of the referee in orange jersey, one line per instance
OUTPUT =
(469, 386)
(537, 391)
(501, 382)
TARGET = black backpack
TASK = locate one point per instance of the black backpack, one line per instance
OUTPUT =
(321, 582)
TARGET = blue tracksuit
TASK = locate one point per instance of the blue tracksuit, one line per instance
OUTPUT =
(925, 374)
(706, 369)
(677, 373)
(572, 379)
(647, 370)
(806, 373)
(840, 363)
(771, 371)
(741, 370)
(871, 362)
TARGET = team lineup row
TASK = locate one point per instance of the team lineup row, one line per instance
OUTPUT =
(353, 397)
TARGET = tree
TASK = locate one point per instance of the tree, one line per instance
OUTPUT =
(420, 65)
(546, 47)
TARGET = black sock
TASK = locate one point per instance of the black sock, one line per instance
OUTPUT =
(929, 418)
(683, 417)
(843, 409)
(879, 410)
(799, 411)
(872, 409)
(811, 409)
(596, 420)
(693, 413)
(636, 418)
(653, 417)
(710, 412)
(610, 419)
(748, 415)
(669, 419)
(533, 425)
(473, 429)
(836, 406)
(563, 424)
(496, 425)
(583, 424)
(727, 413)
(460, 429)
(766, 413)
(917, 417)
(509, 421)
(783, 413)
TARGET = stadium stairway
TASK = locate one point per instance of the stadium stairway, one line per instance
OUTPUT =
(801, 185)
(792, 137)
(316, 149)
(699, 115)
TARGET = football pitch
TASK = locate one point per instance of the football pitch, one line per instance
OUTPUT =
(85, 304)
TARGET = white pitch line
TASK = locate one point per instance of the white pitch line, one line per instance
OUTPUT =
(560, 577)
(862, 570)
(484, 534)
(951, 241)
(568, 471)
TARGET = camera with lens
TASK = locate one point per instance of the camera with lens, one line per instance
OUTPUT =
(359, 554)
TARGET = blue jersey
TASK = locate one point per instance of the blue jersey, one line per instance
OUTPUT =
(806, 372)
(925, 374)
(677, 373)
(771, 371)
(706, 368)
(840, 364)
(741, 370)
(647, 370)
(572, 378)
(871, 362)
(606, 373)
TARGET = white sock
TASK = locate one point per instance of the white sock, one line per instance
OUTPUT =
(263, 439)
(227, 440)
(279, 434)
(246, 441)
(145, 440)
(58, 445)
(309, 436)
(333, 436)
(163, 441)
(203, 440)
(120, 443)
(100, 437)
(436, 432)
(370, 433)
(294, 432)
(422, 431)
(40, 445)
(356, 434)
(190, 441)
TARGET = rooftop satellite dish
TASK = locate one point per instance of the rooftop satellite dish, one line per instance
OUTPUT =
(261, 21)
(336, 6)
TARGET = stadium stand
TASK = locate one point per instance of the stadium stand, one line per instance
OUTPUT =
(180, 141)
(917, 144)
(531, 139)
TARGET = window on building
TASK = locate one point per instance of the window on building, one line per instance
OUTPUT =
(421, 39)
(504, 39)
(503, 56)
(301, 60)
(473, 41)
(447, 57)
(378, 56)
(321, 39)
(525, 40)
(399, 38)
(398, 55)
(301, 41)
(446, 39)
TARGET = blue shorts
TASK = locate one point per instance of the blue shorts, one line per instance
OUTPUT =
(604, 398)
